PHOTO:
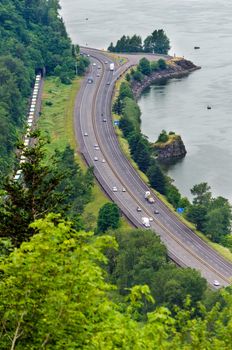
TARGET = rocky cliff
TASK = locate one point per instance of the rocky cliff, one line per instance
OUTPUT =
(174, 148)
(176, 68)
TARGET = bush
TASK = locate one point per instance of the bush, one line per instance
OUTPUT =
(162, 64)
(163, 137)
(108, 217)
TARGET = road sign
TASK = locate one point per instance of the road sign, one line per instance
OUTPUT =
(180, 210)
(116, 122)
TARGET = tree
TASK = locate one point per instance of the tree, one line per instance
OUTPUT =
(218, 223)
(160, 42)
(162, 64)
(125, 91)
(126, 126)
(202, 194)
(137, 75)
(156, 178)
(139, 256)
(197, 214)
(163, 137)
(144, 66)
(108, 217)
(142, 154)
(56, 187)
(170, 286)
(173, 195)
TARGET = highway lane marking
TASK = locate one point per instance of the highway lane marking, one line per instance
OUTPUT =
(145, 209)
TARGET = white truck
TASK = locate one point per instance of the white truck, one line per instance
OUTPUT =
(146, 222)
(149, 197)
(112, 66)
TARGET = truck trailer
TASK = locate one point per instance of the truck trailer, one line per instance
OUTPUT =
(146, 222)
(111, 66)
(149, 197)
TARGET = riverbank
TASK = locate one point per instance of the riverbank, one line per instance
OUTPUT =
(176, 68)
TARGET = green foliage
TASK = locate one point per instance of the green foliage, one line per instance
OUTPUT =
(197, 214)
(125, 91)
(156, 178)
(211, 215)
(202, 194)
(170, 286)
(32, 37)
(173, 195)
(131, 112)
(108, 217)
(157, 42)
(137, 75)
(139, 256)
(54, 295)
(127, 44)
(144, 66)
(59, 187)
(162, 64)
(163, 136)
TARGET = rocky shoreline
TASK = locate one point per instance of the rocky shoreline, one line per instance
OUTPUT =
(177, 68)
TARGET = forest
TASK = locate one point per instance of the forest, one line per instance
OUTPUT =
(64, 286)
(32, 38)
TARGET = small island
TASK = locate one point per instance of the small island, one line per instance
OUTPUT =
(169, 146)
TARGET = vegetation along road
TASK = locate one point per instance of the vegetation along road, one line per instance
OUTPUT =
(99, 146)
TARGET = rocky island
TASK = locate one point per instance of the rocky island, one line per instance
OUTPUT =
(169, 147)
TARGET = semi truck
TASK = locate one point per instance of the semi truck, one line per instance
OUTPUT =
(149, 197)
(112, 66)
(146, 222)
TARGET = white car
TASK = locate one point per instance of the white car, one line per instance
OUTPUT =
(151, 219)
(216, 283)
(115, 189)
(96, 159)
(94, 64)
(123, 189)
(99, 67)
(106, 62)
(85, 134)
(103, 160)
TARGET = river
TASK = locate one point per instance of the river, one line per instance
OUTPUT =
(180, 105)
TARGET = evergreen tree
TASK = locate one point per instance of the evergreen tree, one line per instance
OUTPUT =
(108, 217)
(156, 178)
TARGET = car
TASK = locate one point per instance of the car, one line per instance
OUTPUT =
(108, 83)
(103, 160)
(156, 211)
(96, 159)
(99, 67)
(104, 120)
(88, 55)
(106, 62)
(138, 209)
(96, 145)
(94, 64)
(115, 189)
(216, 283)
(98, 75)
(85, 134)
(151, 219)
(123, 189)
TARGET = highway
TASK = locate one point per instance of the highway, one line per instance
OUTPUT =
(111, 168)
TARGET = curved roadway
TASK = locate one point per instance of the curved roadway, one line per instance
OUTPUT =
(93, 104)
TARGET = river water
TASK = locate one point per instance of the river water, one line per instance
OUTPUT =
(180, 105)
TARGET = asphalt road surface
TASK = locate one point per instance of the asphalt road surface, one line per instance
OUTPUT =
(101, 149)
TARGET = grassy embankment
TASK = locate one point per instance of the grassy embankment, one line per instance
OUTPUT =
(125, 148)
(57, 120)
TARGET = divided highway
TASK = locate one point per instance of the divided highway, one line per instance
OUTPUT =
(99, 145)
